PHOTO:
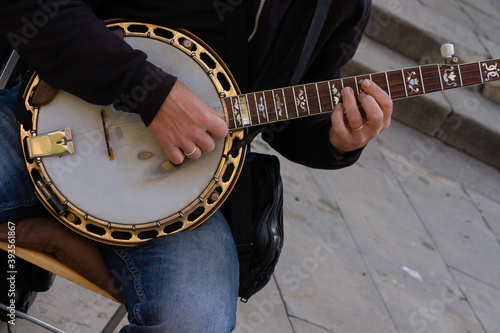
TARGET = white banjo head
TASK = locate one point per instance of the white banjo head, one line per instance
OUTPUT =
(137, 194)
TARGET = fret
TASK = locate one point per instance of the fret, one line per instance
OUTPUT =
(431, 78)
(470, 74)
(229, 112)
(413, 81)
(480, 71)
(319, 100)
(331, 95)
(357, 85)
(490, 70)
(235, 107)
(350, 82)
(291, 106)
(279, 105)
(307, 100)
(312, 99)
(421, 78)
(396, 84)
(335, 92)
(460, 73)
(449, 76)
(388, 85)
(257, 108)
(270, 107)
(325, 97)
(284, 103)
(381, 81)
(440, 77)
(266, 111)
(261, 107)
(294, 102)
(245, 117)
(252, 109)
(404, 82)
(300, 101)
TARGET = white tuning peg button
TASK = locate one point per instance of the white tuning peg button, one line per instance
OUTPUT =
(447, 50)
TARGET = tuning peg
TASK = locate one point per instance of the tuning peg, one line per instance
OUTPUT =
(448, 53)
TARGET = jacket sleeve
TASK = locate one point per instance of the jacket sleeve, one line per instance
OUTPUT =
(73, 50)
(306, 140)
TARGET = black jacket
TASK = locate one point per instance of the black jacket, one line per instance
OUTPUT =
(68, 44)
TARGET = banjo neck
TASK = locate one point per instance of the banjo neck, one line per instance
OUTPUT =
(299, 101)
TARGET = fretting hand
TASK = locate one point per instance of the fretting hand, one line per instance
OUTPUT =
(359, 129)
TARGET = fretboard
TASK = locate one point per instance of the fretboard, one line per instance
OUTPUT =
(315, 98)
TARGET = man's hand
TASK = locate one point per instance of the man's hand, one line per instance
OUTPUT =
(184, 125)
(358, 130)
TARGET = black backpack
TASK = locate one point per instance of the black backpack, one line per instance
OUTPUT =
(257, 227)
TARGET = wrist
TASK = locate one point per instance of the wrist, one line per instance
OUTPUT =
(146, 92)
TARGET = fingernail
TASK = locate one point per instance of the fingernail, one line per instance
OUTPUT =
(347, 90)
(366, 83)
(338, 106)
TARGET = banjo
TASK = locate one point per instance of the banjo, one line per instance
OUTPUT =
(101, 172)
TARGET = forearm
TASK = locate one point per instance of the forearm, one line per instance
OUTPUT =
(73, 50)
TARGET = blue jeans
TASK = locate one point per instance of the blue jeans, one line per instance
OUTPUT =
(17, 198)
(185, 282)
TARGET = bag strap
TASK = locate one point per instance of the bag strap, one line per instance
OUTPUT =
(318, 21)
(8, 69)
(237, 46)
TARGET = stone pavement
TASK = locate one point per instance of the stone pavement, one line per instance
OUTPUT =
(408, 239)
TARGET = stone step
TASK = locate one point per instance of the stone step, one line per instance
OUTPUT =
(417, 29)
(461, 118)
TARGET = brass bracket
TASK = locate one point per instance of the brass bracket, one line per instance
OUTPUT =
(54, 143)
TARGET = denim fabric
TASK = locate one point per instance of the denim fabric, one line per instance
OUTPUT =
(17, 198)
(184, 282)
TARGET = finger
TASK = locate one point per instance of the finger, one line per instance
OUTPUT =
(217, 127)
(192, 153)
(219, 114)
(373, 113)
(341, 136)
(175, 154)
(339, 125)
(353, 114)
(380, 96)
(206, 143)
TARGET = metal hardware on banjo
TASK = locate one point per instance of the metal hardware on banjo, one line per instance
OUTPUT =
(101, 172)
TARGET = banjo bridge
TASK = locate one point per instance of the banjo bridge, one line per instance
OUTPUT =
(50, 144)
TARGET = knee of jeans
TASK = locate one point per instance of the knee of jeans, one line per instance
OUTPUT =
(190, 315)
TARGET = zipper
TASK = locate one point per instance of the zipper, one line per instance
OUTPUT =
(257, 19)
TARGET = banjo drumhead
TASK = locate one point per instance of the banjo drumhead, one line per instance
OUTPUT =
(130, 190)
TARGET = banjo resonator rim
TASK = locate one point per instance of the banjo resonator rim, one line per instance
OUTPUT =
(202, 205)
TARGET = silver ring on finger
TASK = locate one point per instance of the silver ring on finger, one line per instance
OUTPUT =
(191, 153)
